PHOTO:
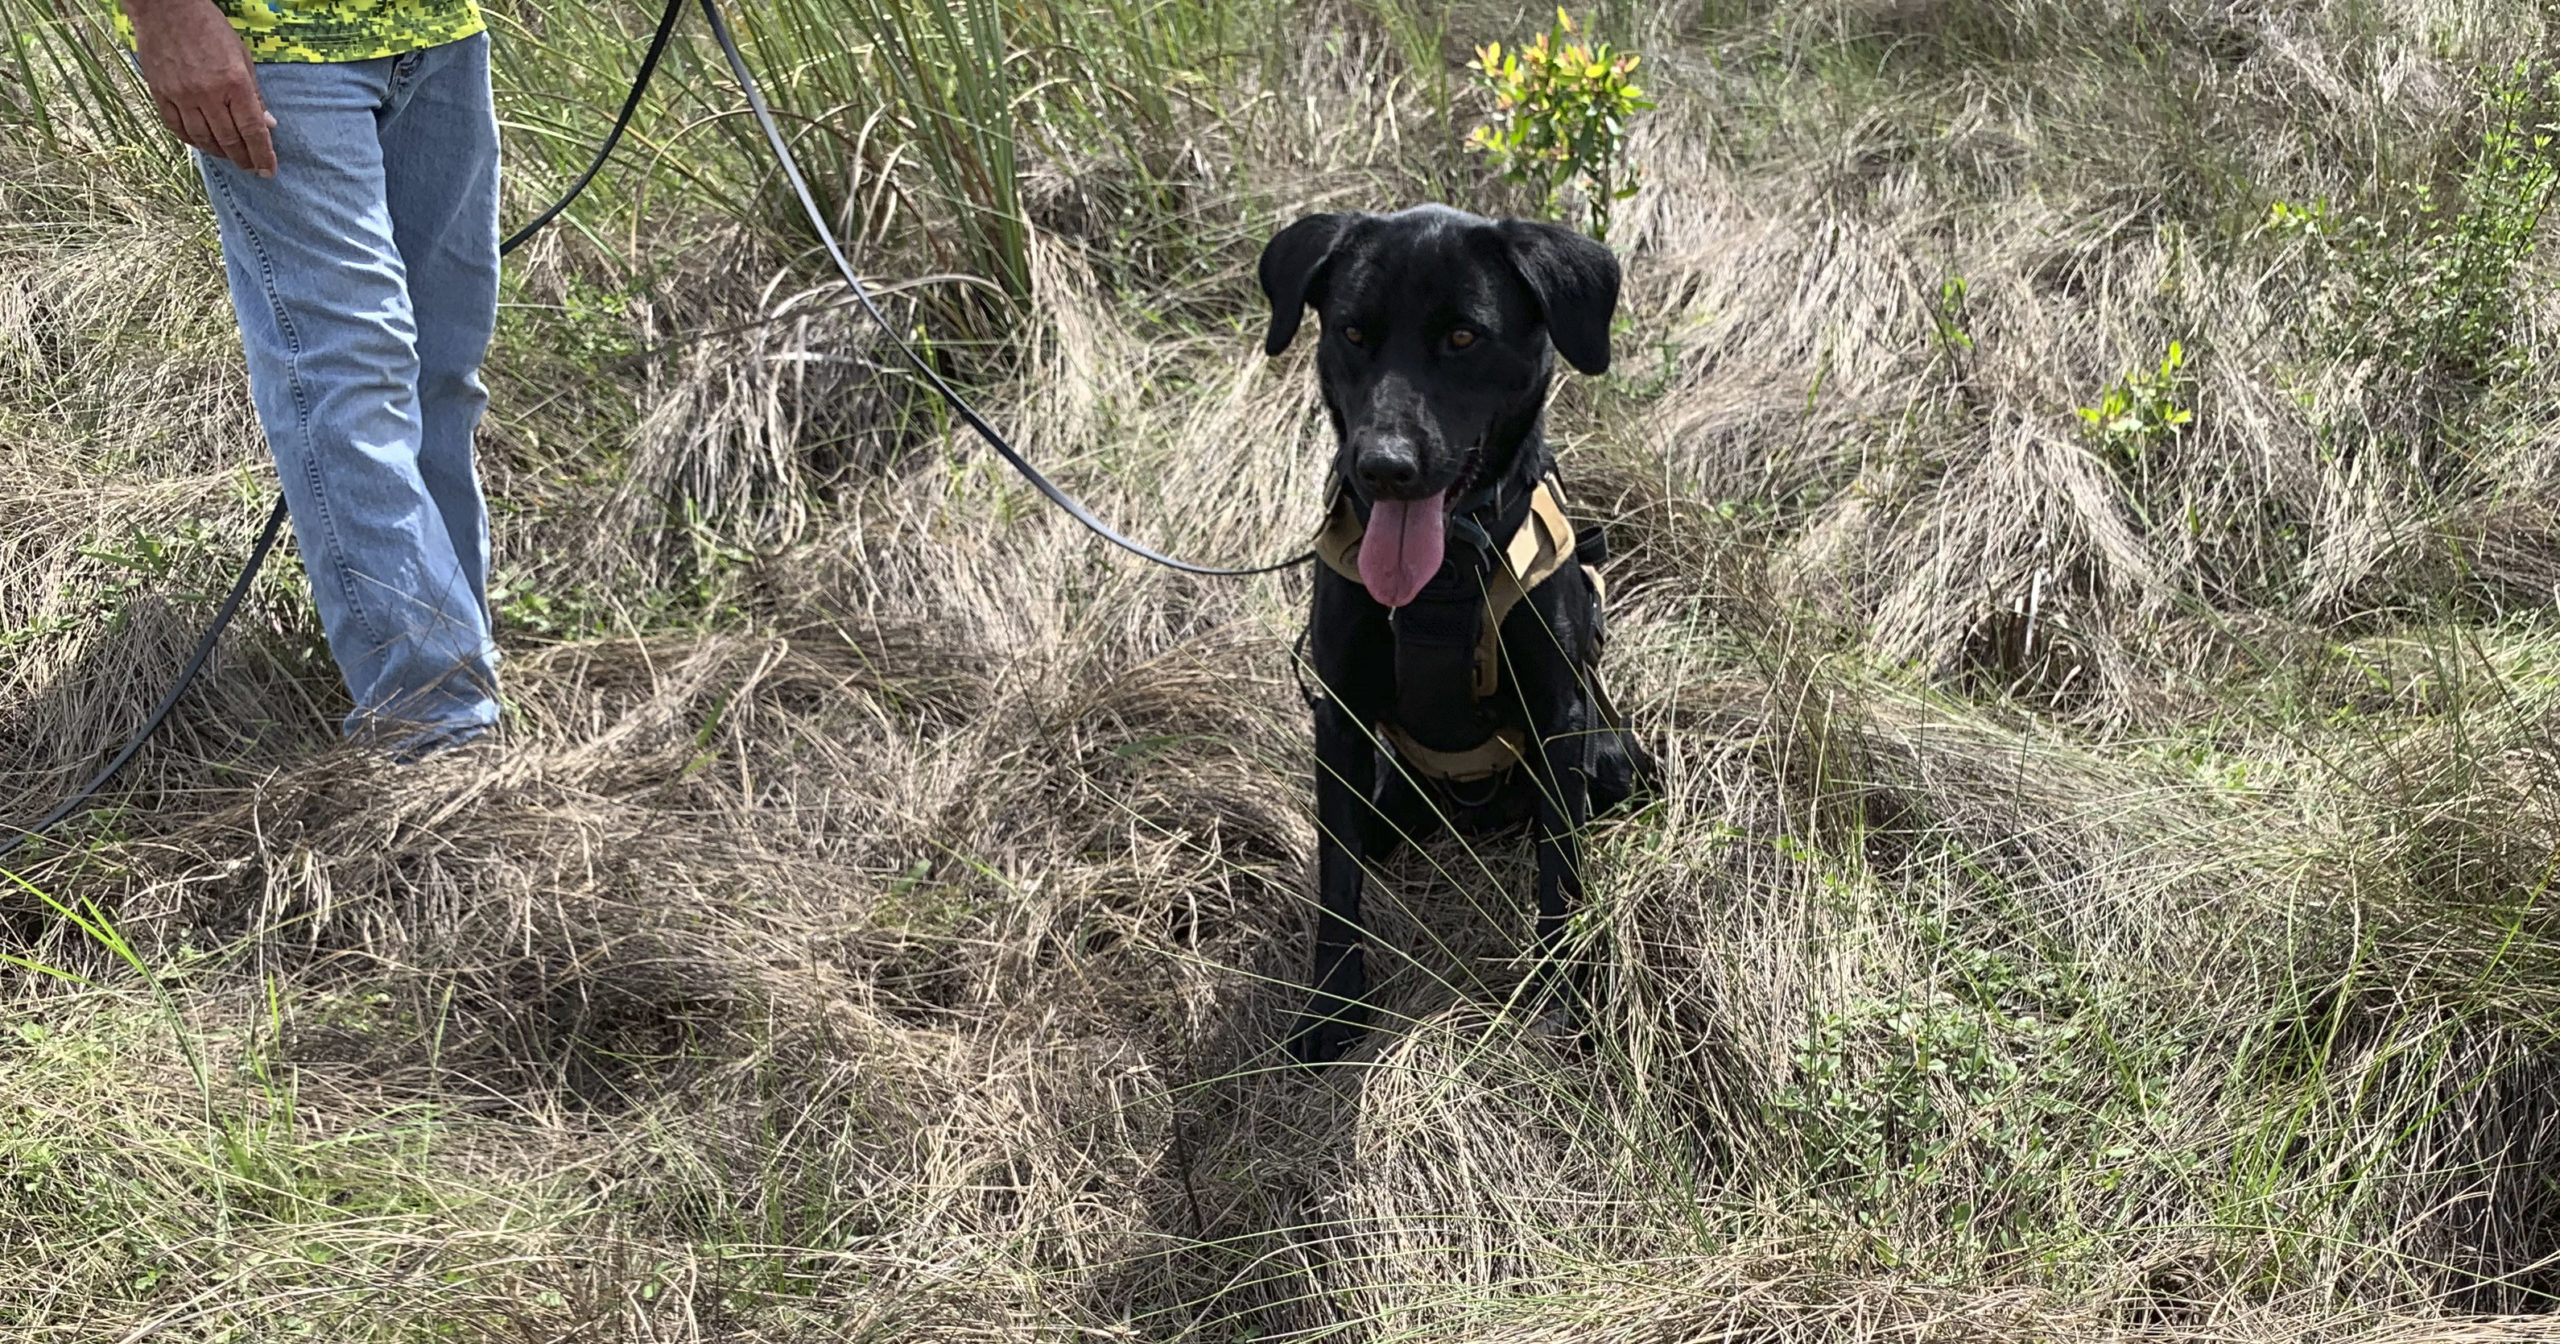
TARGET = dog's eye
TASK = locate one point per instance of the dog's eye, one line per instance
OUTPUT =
(1461, 339)
(1355, 335)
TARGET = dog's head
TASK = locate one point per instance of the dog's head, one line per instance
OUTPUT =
(1439, 333)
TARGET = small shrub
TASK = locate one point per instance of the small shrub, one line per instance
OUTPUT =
(2428, 285)
(1560, 112)
(1958, 1099)
(2142, 411)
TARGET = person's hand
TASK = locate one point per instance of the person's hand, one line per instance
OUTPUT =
(201, 80)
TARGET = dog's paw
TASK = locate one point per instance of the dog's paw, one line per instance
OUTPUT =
(1335, 1015)
(1561, 1000)
(1327, 1028)
(1556, 1024)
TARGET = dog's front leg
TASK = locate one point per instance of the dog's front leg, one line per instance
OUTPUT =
(1345, 769)
(1563, 768)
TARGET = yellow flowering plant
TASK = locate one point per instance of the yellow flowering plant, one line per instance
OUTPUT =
(1560, 110)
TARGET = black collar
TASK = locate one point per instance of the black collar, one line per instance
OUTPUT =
(1488, 515)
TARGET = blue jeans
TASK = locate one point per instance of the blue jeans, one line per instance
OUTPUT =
(365, 276)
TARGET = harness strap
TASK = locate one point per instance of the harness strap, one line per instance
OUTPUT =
(1338, 541)
(1496, 754)
(1533, 555)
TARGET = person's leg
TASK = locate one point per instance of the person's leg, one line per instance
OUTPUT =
(440, 168)
(325, 316)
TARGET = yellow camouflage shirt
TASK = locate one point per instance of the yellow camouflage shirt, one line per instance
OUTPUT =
(340, 30)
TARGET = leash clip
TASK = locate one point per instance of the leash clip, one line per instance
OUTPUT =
(1471, 531)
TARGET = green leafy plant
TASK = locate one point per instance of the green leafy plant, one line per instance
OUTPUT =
(1560, 113)
(2429, 284)
(2142, 411)
(1891, 1096)
(1949, 317)
(1962, 1100)
(522, 607)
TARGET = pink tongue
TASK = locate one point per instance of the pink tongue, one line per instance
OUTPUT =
(1401, 549)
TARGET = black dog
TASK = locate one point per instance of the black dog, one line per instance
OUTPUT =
(1456, 627)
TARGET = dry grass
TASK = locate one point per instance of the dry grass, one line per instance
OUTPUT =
(2096, 893)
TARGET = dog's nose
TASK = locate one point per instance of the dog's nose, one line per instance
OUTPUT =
(1390, 469)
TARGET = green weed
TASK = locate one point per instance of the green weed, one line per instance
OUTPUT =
(2144, 411)
(1955, 1097)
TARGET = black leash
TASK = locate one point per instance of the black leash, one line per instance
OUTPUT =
(621, 122)
(950, 395)
(168, 702)
(835, 252)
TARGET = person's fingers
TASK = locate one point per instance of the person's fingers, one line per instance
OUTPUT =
(249, 113)
(169, 116)
(227, 134)
(194, 131)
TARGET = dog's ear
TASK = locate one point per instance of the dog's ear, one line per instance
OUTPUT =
(1576, 281)
(1292, 263)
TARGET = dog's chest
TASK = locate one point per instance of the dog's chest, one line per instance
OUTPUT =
(1443, 720)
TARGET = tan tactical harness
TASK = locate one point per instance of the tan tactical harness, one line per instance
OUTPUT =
(1531, 555)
